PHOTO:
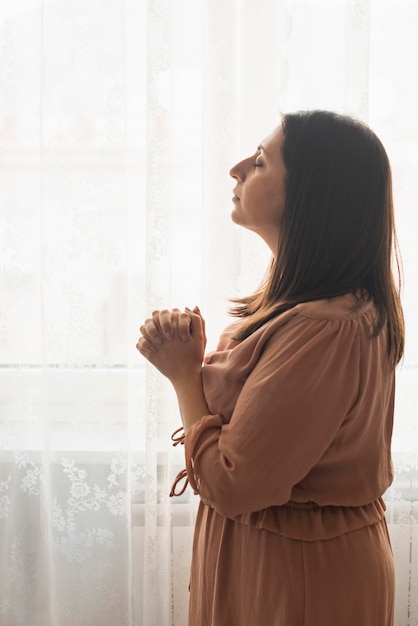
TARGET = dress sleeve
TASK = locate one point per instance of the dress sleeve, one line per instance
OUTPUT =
(288, 412)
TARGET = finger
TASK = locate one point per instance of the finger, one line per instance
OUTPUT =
(145, 347)
(184, 326)
(151, 332)
(174, 314)
(196, 326)
(197, 311)
(155, 316)
(167, 322)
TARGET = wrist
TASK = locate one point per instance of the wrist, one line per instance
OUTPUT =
(183, 378)
(191, 399)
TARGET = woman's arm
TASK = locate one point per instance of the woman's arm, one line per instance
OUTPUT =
(174, 342)
(286, 417)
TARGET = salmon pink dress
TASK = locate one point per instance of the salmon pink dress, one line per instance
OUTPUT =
(290, 467)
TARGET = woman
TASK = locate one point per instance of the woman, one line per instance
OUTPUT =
(288, 423)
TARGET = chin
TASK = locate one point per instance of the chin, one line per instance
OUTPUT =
(235, 217)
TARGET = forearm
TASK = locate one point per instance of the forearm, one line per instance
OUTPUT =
(178, 357)
(191, 399)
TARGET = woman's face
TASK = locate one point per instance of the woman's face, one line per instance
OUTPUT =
(260, 190)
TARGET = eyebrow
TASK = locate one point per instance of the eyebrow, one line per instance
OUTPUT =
(262, 149)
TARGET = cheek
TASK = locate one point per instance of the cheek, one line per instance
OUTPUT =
(275, 206)
(279, 202)
(255, 196)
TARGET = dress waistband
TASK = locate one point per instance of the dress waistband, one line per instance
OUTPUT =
(311, 522)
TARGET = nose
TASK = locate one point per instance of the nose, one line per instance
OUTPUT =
(238, 171)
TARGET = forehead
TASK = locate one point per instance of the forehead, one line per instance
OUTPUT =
(273, 143)
(274, 140)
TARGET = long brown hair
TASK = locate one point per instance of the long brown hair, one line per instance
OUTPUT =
(337, 233)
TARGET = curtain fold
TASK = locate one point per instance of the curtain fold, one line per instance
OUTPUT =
(119, 122)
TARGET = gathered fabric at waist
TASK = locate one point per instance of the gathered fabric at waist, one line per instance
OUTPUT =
(307, 521)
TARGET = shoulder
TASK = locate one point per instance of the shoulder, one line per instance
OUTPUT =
(318, 331)
(342, 308)
(337, 316)
(314, 321)
(319, 337)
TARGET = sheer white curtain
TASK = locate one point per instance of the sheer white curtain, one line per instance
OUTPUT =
(119, 121)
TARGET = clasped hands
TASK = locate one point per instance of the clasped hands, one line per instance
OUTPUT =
(174, 342)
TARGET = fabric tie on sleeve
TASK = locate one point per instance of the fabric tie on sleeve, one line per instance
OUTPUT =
(180, 476)
(178, 437)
